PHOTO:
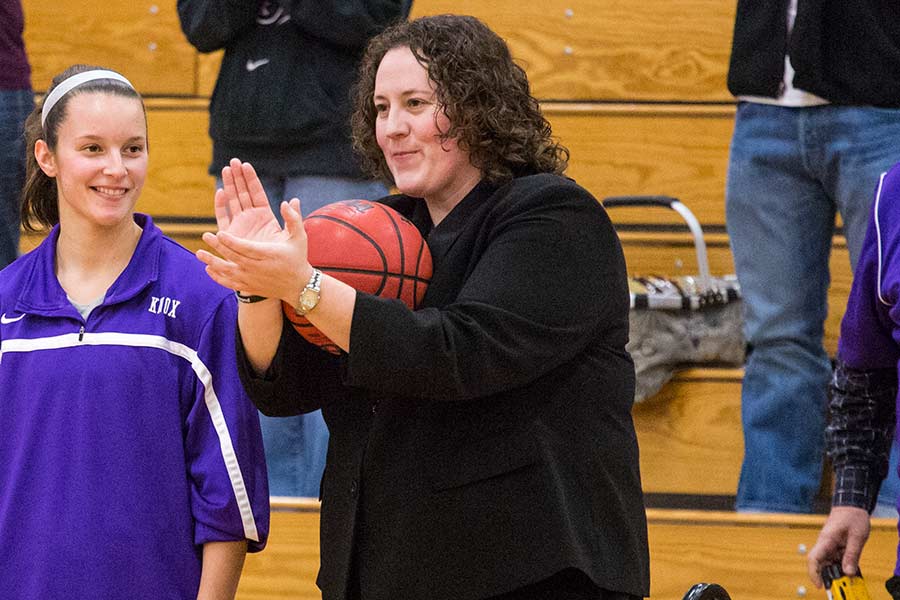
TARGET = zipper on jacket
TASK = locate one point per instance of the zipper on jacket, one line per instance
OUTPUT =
(81, 334)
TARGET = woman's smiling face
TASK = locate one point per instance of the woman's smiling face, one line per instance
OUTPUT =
(408, 128)
(100, 160)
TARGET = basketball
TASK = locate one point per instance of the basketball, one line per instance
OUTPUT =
(370, 247)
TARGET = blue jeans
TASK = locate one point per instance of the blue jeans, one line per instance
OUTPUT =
(296, 446)
(15, 106)
(791, 170)
(316, 191)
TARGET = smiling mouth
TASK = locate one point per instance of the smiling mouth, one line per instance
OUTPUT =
(110, 191)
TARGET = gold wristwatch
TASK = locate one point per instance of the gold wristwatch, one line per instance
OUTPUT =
(309, 295)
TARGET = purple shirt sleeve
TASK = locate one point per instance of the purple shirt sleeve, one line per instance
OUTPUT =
(868, 328)
(229, 489)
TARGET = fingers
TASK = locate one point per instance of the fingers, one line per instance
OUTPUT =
(255, 188)
(223, 215)
(210, 239)
(207, 258)
(841, 541)
(222, 278)
(230, 190)
(243, 187)
(240, 184)
(230, 261)
(239, 250)
(850, 562)
(219, 270)
(821, 554)
(815, 578)
(826, 551)
(290, 212)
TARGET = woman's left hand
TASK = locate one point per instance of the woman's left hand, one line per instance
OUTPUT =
(242, 207)
(257, 256)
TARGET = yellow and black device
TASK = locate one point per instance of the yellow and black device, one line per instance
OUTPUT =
(844, 587)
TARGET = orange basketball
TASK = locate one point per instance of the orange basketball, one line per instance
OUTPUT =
(370, 247)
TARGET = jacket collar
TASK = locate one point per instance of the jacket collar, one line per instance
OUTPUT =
(42, 293)
(442, 237)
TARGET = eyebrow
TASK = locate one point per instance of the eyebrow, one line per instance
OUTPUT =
(92, 137)
(410, 92)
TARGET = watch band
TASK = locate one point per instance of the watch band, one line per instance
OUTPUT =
(244, 299)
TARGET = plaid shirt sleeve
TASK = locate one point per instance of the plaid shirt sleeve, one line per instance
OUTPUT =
(859, 433)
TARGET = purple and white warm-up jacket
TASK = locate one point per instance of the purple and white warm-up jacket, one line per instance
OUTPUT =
(126, 439)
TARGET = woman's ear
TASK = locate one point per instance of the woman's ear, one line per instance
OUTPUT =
(45, 158)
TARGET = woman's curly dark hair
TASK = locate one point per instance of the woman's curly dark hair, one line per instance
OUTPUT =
(485, 95)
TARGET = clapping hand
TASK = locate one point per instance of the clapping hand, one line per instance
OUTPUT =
(258, 256)
(241, 206)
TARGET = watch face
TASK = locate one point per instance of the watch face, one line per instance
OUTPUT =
(308, 300)
(309, 296)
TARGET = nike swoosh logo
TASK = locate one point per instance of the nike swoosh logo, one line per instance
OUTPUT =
(7, 320)
(253, 65)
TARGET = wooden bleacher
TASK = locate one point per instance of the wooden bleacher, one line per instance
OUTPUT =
(755, 557)
(636, 90)
(692, 426)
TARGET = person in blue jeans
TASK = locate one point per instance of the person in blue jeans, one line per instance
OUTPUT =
(282, 102)
(16, 102)
(818, 121)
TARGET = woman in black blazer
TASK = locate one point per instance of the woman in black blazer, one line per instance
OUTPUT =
(481, 446)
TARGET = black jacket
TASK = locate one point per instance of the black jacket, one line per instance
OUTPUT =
(282, 98)
(485, 441)
(846, 51)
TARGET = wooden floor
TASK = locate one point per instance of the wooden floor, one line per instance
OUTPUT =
(287, 568)
(755, 557)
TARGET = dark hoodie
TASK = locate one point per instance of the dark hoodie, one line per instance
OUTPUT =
(282, 98)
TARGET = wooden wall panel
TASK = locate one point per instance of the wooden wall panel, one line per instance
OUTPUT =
(682, 153)
(634, 150)
(616, 148)
(608, 50)
(656, 51)
(178, 184)
(673, 254)
(207, 72)
(141, 39)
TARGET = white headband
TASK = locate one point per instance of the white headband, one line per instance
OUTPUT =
(74, 81)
